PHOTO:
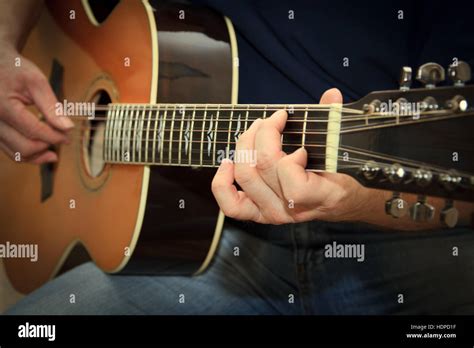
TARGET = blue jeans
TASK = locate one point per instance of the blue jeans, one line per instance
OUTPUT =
(287, 270)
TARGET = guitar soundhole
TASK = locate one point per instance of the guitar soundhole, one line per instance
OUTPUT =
(101, 9)
(94, 133)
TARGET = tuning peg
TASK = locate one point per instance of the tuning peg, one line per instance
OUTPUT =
(395, 173)
(422, 211)
(423, 177)
(370, 170)
(458, 103)
(396, 206)
(405, 78)
(450, 180)
(459, 73)
(430, 74)
(449, 215)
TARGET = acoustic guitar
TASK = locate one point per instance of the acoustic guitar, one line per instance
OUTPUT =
(133, 187)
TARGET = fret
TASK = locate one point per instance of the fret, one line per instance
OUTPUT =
(121, 132)
(155, 134)
(227, 155)
(303, 137)
(125, 130)
(140, 141)
(210, 115)
(215, 137)
(147, 137)
(162, 132)
(292, 137)
(170, 150)
(113, 134)
(129, 138)
(247, 118)
(202, 136)
(178, 116)
(109, 127)
(118, 136)
(183, 113)
(222, 133)
(189, 139)
(315, 135)
(135, 136)
(131, 127)
(265, 112)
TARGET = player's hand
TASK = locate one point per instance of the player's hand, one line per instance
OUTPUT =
(21, 132)
(278, 189)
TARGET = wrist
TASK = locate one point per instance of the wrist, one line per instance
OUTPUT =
(358, 205)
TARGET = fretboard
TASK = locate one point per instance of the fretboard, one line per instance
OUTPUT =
(204, 134)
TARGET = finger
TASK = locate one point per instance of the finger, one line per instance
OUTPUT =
(247, 176)
(233, 203)
(331, 96)
(10, 154)
(268, 147)
(41, 158)
(18, 116)
(19, 143)
(44, 157)
(45, 101)
(303, 187)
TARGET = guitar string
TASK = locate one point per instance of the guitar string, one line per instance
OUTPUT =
(307, 119)
(391, 160)
(120, 143)
(351, 162)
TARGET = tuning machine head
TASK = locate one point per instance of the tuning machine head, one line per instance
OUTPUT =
(396, 206)
(370, 170)
(422, 211)
(459, 72)
(430, 74)
(405, 78)
(395, 173)
(449, 215)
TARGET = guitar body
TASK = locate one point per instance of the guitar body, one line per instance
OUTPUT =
(135, 218)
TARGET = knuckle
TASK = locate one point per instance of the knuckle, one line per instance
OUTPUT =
(28, 150)
(265, 160)
(291, 193)
(33, 129)
(230, 211)
(275, 217)
(31, 148)
(242, 175)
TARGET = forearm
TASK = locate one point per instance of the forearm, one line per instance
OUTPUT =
(373, 211)
(16, 20)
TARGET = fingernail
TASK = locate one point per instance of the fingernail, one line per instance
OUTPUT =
(51, 157)
(225, 162)
(66, 122)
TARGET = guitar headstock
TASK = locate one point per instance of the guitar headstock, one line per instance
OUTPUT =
(418, 140)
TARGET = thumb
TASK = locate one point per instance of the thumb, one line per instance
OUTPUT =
(332, 95)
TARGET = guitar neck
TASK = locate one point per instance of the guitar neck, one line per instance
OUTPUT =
(204, 134)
